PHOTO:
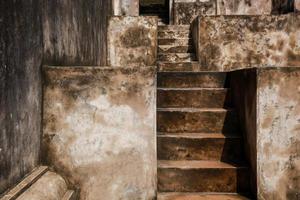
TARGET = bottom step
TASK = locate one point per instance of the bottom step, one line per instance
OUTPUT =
(199, 196)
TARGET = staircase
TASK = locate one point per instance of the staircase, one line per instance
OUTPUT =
(199, 145)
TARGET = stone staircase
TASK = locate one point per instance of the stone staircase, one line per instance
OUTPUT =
(199, 145)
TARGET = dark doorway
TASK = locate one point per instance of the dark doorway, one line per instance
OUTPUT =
(158, 8)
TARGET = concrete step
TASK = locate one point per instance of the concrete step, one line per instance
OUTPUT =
(187, 120)
(200, 146)
(191, 80)
(201, 176)
(176, 57)
(175, 49)
(169, 34)
(174, 28)
(179, 66)
(175, 41)
(193, 97)
(199, 196)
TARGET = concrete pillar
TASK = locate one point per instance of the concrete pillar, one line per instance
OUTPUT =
(126, 7)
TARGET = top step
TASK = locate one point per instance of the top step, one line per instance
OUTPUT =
(174, 28)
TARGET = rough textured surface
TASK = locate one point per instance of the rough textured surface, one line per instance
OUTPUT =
(99, 130)
(244, 94)
(126, 7)
(185, 11)
(244, 7)
(75, 31)
(50, 186)
(297, 6)
(132, 41)
(278, 134)
(231, 42)
(20, 89)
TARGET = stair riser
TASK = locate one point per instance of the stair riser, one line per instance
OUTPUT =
(203, 180)
(179, 67)
(174, 34)
(193, 98)
(175, 42)
(175, 49)
(192, 122)
(187, 80)
(218, 149)
(176, 57)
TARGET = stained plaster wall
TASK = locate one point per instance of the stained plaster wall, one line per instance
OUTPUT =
(126, 7)
(20, 89)
(278, 133)
(99, 130)
(225, 43)
(132, 41)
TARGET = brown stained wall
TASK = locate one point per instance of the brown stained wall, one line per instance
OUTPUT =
(278, 124)
(99, 130)
(232, 42)
(245, 7)
(132, 41)
(20, 89)
(75, 31)
(243, 84)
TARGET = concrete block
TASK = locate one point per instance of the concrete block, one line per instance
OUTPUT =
(186, 11)
(230, 42)
(99, 129)
(132, 41)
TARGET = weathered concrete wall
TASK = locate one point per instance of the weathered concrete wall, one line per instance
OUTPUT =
(232, 42)
(75, 31)
(20, 89)
(278, 147)
(243, 84)
(132, 41)
(244, 7)
(126, 7)
(185, 11)
(99, 130)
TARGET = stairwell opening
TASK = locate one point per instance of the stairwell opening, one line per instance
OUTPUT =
(158, 8)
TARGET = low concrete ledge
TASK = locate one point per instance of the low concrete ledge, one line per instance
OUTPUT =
(16, 191)
(225, 43)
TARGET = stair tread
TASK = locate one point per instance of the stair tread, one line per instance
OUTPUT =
(198, 164)
(194, 88)
(198, 135)
(196, 109)
(200, 196)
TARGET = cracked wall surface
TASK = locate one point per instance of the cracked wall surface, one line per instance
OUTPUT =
(99, 130)
(278, 141)
(132, 41)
